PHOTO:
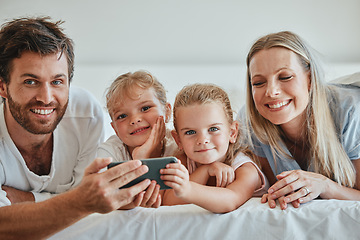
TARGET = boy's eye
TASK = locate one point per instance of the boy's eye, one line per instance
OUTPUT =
(213, 129)
(190, 132)
(121, 116)
(145, 108)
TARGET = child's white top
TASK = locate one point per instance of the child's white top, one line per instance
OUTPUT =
(239, 160)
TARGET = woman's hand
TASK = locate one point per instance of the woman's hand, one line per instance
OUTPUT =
(224, 173)
(296, 186)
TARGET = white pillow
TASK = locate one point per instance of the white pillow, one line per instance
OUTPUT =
(353, 79)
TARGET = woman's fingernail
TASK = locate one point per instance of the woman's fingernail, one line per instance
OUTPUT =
(270, 191)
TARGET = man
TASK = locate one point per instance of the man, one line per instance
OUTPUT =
(49, 133)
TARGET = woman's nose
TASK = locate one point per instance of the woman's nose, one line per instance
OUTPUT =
(272, 89)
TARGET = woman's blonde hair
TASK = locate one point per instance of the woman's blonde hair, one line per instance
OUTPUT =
(329, 156)
(209, 93)
(125, 85)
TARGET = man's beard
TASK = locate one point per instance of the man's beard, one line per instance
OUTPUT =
(21, 115)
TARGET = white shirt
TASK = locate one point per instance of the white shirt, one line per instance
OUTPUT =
(76, 139)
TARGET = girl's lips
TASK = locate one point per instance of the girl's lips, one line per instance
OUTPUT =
(204, 150)
(139, 130)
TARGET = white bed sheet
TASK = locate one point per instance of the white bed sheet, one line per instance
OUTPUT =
(319, 219)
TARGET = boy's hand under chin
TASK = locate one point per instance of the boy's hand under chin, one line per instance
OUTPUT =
(153, 143)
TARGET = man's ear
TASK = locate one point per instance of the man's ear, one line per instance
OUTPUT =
(176, 137)
(3, 88)
(234, 131)
(167, 112)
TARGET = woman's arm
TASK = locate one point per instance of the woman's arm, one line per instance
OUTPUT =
(303, 186)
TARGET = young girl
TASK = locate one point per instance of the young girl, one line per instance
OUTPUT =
(139, 110)
(209, 138)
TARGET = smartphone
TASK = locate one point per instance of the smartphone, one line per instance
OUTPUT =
(154, 165)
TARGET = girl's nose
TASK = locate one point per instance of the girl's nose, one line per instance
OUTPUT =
(135, 120)
(203, 139)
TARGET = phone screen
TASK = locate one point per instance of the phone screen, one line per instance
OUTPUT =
(154, 165)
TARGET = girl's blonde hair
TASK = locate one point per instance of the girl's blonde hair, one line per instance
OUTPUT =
(330, 158)
(209, 93)
(125, 85)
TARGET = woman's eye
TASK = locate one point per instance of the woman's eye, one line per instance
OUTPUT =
(190, 132)
(213, 129)
(286, 77)
(121, 116)
(257, 84)
(145, 108)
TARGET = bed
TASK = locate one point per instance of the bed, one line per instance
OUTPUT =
(318, 219)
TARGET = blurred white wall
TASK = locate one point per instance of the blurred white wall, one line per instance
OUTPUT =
(187, 41)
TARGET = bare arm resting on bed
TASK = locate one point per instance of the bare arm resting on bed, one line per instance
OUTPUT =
(98, 192)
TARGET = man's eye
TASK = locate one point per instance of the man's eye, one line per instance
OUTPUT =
(190, 132)
(29, 82)
(213, 129)
(145, 108)
(57, 82)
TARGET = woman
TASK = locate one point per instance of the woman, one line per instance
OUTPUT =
(304, 132)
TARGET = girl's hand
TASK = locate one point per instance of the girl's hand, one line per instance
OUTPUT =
(297, 187)
(154, 141)
(148, 198)
(224, 174)
(151, 197)
(176, 176)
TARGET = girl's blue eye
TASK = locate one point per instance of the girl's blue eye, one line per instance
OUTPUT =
(213, 129)
(190, 132)
(145, 108)
(121, 116)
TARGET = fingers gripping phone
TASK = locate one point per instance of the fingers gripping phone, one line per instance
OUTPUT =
(154, 165)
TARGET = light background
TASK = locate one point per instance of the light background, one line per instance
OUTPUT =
(187, 41)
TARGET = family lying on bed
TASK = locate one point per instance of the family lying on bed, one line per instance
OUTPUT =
(298, 133)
